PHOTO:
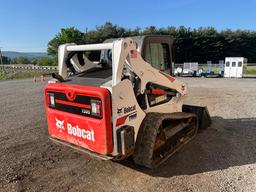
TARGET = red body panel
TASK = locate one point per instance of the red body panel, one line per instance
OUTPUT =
(90, 133)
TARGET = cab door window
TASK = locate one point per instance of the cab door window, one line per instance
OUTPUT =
(158, 55)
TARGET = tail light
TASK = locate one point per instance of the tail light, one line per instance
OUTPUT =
(50, 99)
(96, 107)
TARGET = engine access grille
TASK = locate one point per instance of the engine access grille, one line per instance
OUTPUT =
(81, 105)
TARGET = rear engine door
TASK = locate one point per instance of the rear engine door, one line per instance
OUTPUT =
(80, 115)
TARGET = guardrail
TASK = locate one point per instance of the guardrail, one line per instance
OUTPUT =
(30, 67)
(55, 68)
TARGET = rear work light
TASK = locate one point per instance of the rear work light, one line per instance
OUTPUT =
(96, 107)
(50, 99)
(52, 102)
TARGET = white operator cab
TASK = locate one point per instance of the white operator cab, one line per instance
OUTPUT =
(235, 66)
(154, 49)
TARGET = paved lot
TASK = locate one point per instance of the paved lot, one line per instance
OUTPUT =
(221, 158)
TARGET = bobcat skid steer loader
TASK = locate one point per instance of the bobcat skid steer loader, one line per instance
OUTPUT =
(120, 105)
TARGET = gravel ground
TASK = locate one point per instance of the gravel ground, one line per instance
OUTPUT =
(221, 158)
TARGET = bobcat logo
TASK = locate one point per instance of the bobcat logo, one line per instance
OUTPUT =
(119, 111)
(60, 124)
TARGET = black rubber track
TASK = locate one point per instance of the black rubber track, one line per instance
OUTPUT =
(144, 148)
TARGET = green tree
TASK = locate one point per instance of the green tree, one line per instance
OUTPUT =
(46, 61)
(199, 45)
(103, 32)
(6, 60)
(151, 30)
(21, 60)
(69, 35)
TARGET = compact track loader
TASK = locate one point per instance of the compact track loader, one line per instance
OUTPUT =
(109, 101)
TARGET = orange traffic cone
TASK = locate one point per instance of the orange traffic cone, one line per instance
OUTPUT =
(34, 79)
(42, 79)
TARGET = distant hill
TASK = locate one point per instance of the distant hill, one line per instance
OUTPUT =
(13, 54)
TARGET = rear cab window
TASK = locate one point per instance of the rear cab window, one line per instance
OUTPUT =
(158, 55)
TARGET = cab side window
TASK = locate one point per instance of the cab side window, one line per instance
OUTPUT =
(158, 55)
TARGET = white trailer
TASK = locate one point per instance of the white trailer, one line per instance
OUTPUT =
(190, 68)
(235, 66)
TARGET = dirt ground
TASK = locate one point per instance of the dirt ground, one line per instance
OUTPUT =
(221, 158)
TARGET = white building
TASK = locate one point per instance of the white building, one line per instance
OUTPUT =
(235, 66)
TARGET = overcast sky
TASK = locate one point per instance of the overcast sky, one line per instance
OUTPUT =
(28, 25)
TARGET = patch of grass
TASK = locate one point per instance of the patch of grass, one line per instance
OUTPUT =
(251, 70)
(214, 69)
(19, 75)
